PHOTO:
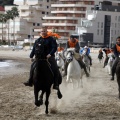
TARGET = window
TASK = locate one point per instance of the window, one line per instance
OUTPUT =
(47, 6)
(97, 32)
(101, 32)
(98, 24)
(101, 24)
(38, 24)
(119, 18)
(43, 12)
(47, 0)
(33, 24)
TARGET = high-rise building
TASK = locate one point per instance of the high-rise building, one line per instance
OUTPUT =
(67, 14)
(86, 19)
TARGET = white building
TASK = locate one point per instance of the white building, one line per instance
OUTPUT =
(103, 25)
(30, 17)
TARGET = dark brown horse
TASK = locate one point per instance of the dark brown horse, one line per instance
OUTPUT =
(43, 80)
(118, 75)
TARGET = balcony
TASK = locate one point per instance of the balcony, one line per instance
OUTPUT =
(66, 11)
(70, 5)
(59, 18)
(27, 14)
(58, 24)
(39, 8)
(26, 7)
(30, 20)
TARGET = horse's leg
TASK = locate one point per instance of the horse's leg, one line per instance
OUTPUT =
(47, 100)
(59, 93)
(36, 97)
(118, 81)
(41, 98)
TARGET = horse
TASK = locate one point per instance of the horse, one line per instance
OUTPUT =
(100, 56)
(118, 75)
(74, 71)
(110, 62)
(43, 80)
(60, 60)
(86, 60)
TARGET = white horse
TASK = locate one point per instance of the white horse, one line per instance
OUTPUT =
(60, 60)
(86, 60)
(74, 71)
(110, 62)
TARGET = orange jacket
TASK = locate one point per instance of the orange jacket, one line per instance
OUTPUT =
(72, 44)
(118, 48)
(108, 51)
(59, 49)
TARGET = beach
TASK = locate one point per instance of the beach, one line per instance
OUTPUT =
(97, 100)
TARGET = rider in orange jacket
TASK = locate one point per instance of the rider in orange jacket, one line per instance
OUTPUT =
(116, 50)
(73, 43)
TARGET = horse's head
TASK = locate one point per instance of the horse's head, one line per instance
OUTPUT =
(70, 54)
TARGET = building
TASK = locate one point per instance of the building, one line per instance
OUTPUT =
(30, 17)
(86, 19)
(67, 15)
(102, 25)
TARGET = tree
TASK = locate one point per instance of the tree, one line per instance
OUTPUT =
(3, 19)
(15, 13)
(9, 16)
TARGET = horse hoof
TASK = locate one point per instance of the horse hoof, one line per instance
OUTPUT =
(37, 104)
(41, 102)
(59, 95)
(46, 112)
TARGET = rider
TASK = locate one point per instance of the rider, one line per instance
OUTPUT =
(116, 50)
(107, 51)
(73, 43)
(50, 42)
(88, 53)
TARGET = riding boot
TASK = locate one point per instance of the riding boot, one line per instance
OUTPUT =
(87, 74)
(30, 80)
(81, 63)
(90, 59)
(55, 84)
(113, 73)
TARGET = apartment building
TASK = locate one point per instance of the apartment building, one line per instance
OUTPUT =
(101, 27)
(67, 15)
(30, 17)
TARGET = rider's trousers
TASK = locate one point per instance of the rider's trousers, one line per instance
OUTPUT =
(114, 66)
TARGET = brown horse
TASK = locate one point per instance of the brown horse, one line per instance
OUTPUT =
(43, 80)
(118, 75)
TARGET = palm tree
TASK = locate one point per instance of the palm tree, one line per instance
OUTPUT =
(3, 20)
(9, 16)
(15, 13)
